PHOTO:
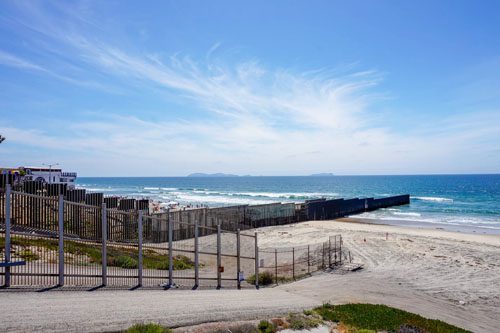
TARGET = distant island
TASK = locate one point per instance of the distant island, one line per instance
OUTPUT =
(200, 174)
(323, 174)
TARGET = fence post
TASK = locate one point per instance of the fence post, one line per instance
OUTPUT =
(219, 258)
(293, 263)
(323, 257)
(170, 254)
(340, 249)
(329, 252)
(104, 256)
(238, 255)
(308, 260)
(139, 231)
(196, 255)
(7, 234)
(335, 244)
(61, 240)
(256, 262)
(276, 265)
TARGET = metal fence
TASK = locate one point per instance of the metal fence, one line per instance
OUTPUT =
(293, 263)
(48, 241)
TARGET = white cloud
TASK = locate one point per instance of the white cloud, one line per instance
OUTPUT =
(254, 118)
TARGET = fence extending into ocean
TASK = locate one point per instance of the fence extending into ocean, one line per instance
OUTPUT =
(51, 235)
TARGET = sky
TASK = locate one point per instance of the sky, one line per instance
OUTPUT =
(167, 88)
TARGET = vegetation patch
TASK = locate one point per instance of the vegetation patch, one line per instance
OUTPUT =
(27, 255)
(266, 327)
(299, 321)
(368, 318)
(117, 256)
(148, 328)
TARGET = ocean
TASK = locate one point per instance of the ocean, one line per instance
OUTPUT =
(458, 202)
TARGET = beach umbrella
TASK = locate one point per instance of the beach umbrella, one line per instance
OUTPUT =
(2, 139)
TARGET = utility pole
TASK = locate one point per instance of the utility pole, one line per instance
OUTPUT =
(50, 170)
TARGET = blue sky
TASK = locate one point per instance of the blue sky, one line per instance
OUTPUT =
(168, 88)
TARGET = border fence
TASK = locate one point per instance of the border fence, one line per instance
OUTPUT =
(285, 264)
(49, 241)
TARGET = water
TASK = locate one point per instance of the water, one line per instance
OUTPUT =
(445, 200)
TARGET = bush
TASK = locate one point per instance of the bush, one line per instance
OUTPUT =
(266, 327)
(303, 322)
(27, 255)
(265, 279)
(123, 262)
(148, 328)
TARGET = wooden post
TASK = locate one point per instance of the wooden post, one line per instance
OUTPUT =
(293, 262)
(104, 257)
(8, 205)
(60, 219)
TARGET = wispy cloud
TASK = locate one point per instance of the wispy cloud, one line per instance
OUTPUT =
(249, 116)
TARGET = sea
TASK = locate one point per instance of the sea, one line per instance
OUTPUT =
(469, 203)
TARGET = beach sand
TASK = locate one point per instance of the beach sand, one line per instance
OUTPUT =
(440, 274)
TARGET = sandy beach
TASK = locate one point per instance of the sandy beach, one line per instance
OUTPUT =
(439, 274)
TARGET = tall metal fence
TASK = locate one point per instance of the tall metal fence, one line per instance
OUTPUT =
(49, 241)
(287, 264)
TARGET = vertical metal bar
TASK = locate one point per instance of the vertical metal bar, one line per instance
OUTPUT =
(139, 230)
(104, 233)
(323, 257)
(340, 249)
(219, 258)
(256, 262)
(293, 263)
(335, 244)
(276, 266)
(238, 259)
(170, 254)
(61, 240)
(329, 252)
(7, 234)
(196, 255)
(308, 259)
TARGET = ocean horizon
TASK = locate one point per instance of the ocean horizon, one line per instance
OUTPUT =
(458, 202)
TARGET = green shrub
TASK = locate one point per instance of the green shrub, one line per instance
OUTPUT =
(300, 321)
(27, 255)
(265, 279)
(123, 262)
(148, 328)
(379, 317)
(266, 327)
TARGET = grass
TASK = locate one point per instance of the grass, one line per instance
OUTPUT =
(267, 278)
(27, 255)
(117, 256)
(266, 327)
(148, 328)
(375, 317)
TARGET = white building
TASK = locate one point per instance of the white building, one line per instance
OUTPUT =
(50, 175)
